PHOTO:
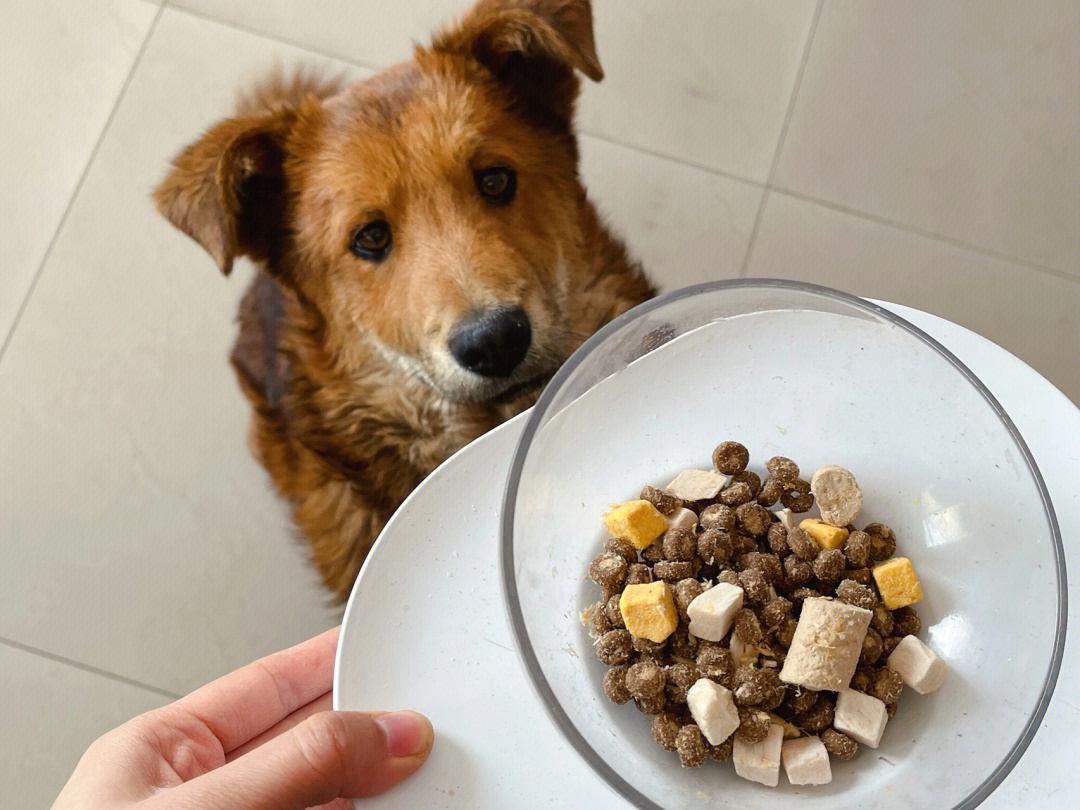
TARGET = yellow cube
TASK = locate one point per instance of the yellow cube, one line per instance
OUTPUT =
(897, 583)
(637, 522)
(824, 534)
(649, 611)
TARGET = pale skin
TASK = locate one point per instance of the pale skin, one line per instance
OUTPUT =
(259, 738)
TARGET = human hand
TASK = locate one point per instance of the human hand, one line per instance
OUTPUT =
(260, 737)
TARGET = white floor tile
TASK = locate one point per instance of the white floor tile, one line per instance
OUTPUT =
(684, 224)
(959, 118)
(52, 712)
(1033, 314)
(63, 64)
(706, 81)
(139, 534)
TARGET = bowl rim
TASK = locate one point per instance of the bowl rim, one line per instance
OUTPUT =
(532, 425)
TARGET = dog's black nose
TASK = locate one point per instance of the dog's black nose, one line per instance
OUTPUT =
(492, 342)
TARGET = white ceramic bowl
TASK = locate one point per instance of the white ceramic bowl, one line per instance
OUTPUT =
(822, 377)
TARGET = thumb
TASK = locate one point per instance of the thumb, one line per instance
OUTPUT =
(328, 756)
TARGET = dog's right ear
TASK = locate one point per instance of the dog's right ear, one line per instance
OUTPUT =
(226, 191)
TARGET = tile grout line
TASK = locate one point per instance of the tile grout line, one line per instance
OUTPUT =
(804, 59)
(78, 185)
(104, 673)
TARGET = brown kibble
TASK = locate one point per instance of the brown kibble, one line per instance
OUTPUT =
(729, 576)
(653, 705)
(783, 470)
(614, 647)
(715, 546)
(717, 516)
(682, 644)
(735, 494)
(753, 725)
(759, 687)
(802, 544)
(853, 593)
(679, 544)
(860, 575)
(615, 685)
(747, 627)
(752, 581)
(801, 700)
(829, 565)
(672, 572)
(819, 717)
(665, 730)
(890, 710)
(638, 574)
(882, 541)
(889, 644)
(863, 679)
(611, 607)
(730, 458)
(742, 544)
(882, 620)
(595, 618)
(797, 572)
(857, 549)
(871, 647)
(887, 685)
(665, 502)
(777, 538)
(645, 679)
(799, 594)
(715, 662)
(752, 480)
(623, 548)
(797, 497)
(838, 744)
(776, 610)
(644, 645)
(906, 622)
(691, 745)
(722, 752)
(684, 592)
(785, 632)
(608, 569)
(768, 564)
(771, 491)
(654, 552)
(679, 677)
(753, 518)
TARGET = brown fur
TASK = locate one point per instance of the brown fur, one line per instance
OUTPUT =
(343, 359)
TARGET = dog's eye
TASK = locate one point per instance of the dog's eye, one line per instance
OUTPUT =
(372, 241)
(498, 184)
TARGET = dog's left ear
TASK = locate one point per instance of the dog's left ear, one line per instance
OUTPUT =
(531, 46)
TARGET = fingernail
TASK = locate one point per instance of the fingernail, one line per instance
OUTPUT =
(407, 733)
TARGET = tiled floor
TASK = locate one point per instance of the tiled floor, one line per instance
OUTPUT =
(924, 153)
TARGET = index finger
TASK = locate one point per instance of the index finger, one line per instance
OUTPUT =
(245, 703)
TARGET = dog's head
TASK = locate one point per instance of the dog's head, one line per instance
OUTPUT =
(430, 214)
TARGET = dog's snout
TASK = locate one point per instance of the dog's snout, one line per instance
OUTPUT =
(492, 342)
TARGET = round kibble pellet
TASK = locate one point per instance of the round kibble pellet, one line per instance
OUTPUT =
(783, 469)
(684, 592)
(691, 745)
(665, 502)
(906, 622)
(798, 595)
(715, 546)
(653, 705)
(679, 545)
(853, 593)
(622, 548)
(735, 494)
(796, 572)
(860, 575)
(730, 458)
(665, 730)
(882, 541)
(838, 744)
(777, 539)
(882, 620)
(715, 662)
(611, 607)
(654, 552)
(770, 493)
(798, 497)
(748, 627)
(887, 685)
(758, 686)
(771, 567)
(829, 565)
(871, 647)
(801, 700)
(785, 632)
(645, 679)
(752, 581)
(752, 479)
(753, 725)
(615, 685)
(717, 516)
(679, 677)
(722, 752)
(614, 647)
(776, 610)
(802, 544)
(818, 718)
(638, 574)
(682, 644)
(857, 549)
(863, 679)
(742, 544)
(753, 518)
(608, 569)
(889, 644)
(596, 619)
(670, 571)
(730, 576)
(654, 648)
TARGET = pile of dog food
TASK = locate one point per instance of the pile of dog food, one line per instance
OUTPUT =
(750, 637)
